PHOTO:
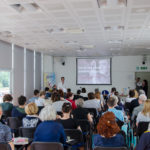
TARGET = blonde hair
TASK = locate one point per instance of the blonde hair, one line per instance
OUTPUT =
(146, 109)
(31, 109)
(42, 93)
(47, 113)
(97, 95)
(136, 94)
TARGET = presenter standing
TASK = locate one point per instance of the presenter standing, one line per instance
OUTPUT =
(61, 85)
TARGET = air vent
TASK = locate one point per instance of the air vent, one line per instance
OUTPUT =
(111, 3)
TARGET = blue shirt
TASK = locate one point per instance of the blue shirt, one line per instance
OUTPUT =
(115, 141)
(50, 131)
(5, 134)
(32, 99)
(118, 113)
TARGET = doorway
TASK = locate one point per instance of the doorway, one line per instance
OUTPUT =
(144, 76)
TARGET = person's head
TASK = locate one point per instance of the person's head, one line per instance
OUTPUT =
(136, 94)
(146, 109)
(96, 90)
(83, 90)
(68, 90)
(141, 92)
(66, 108)
(46, 89)
(131, 93)
(107, 125)
(138, 79)
(55, 97)
(144, 83)
(42, 94)
(116, 93)
(97, 95)
(47, 113)
(112, 101)
(62, 79)
(61, 93)
(1, 112)
(79, 102)
(70, 96)
(54, 86)
(78, 92)
(31, 109)
(36, 93)
(22, 100)
(113, 89)
(7, 98)
(91, 96)
(142, 98)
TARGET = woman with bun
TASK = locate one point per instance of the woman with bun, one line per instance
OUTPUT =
(108, 132)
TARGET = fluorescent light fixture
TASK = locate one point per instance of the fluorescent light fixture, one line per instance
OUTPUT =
(111, 3)
(115, 49)
(88, 46)
(115, 41)
(73, 30)
(71, 42)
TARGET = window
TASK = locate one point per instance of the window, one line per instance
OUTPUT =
(5, 77)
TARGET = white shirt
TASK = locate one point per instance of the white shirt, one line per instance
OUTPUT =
(93, 103)
(83, 94)
(62, 86)
(130, 99)
(40, 101)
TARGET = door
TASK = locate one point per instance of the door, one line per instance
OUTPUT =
(144, 76)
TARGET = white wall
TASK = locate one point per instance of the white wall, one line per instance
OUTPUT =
(48, 63)
(123, 72)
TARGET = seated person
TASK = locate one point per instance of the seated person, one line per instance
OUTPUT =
(141, 100)
(144, 115)
(92, 102)
(7, 105)
(19, 111)
(83, 92)
(112, 102)
(49, 130)
(77, 95)
(31, 120)
(108, 132)
(47, 93)
(35, 97)
(66, 120)
(70, 97)
(5, 133)
(80, 112)
(40, 102)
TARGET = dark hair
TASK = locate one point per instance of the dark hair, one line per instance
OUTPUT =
(131, 93)
(36, 92)
(111, 102)
(78, 92)
(113, 89)
(46, 89)
(62, 78)
(22, 100)
(66, 107)
(91, 95)
(83, 90)
(68, 90)
(107, 125)
(96, 90)
(69, 95)
(61, 93)
(55, 97)
(7, 97)
(146, 83)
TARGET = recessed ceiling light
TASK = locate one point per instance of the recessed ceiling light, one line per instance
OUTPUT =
(74, 30)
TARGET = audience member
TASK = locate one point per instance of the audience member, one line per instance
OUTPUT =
(7, 105)
(83, 92)
(47, 93)
(131, 96)
(66, 120)
(144, 115)
(108, 132)
(112, 102)
(113, 90)
(5, 133)
(19, 111)
(70, 97)
(31, 120)
(98, 97)
(41, 100)
(92, 102)
(35, 97)
(141, 100)
(61, 85)
(78, 95)
(80, 112)
(49, 130)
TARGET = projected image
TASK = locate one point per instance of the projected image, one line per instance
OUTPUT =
(93, 71)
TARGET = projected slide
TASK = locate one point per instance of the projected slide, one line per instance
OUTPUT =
(93, 71)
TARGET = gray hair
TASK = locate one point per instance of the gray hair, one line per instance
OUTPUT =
(47, 113)
(143, 97)
(116, 99)
(79, 102)
(141, 92)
